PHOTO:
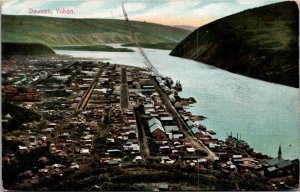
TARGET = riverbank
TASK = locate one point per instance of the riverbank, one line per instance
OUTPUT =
(104, 48)
(103, 133)
(200, 132)
(233, 103)
(163, 46)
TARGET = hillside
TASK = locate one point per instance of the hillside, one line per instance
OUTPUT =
(260, 43)
(187, 27)
(68, 31)
(9, 49)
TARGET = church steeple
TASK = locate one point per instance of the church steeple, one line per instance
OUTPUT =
(279, 152)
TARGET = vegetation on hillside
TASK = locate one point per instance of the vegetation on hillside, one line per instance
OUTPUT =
(69, 31)
(9, 49)
(142, 178)
(260, 43)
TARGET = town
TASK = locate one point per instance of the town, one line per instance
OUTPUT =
(66, 119)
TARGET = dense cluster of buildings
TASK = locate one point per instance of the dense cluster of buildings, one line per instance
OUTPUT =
(116, 116)
(13, 92)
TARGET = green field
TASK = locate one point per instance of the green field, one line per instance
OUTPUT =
(92, 48)
(68, 31)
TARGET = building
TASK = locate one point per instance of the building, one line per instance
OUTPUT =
(20, 93)
(166, 120)
(156, 128)
(277, 165)
(190, 123)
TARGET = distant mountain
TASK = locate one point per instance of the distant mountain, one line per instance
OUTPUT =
(69, 31)
(260, 43)
(187, 27)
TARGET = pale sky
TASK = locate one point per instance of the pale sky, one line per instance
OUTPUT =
(168, 12)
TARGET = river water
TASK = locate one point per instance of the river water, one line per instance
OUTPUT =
(264, 114)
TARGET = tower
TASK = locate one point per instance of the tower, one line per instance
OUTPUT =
(279, 152)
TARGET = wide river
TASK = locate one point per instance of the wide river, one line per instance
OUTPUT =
(264, 114)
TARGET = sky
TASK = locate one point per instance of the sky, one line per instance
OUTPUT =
(167, 12)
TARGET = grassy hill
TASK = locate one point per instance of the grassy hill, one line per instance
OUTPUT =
(9, 49)
(68, 31)
(260, 43)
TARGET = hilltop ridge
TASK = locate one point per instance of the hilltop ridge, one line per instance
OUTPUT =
(54, 31)
(261, 43)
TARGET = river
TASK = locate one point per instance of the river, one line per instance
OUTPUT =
(264, 114)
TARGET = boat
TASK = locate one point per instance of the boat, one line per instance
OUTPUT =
(178, 86)
(211, 132)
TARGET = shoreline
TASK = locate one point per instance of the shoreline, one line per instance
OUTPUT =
(197, 117)
(197, 145)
